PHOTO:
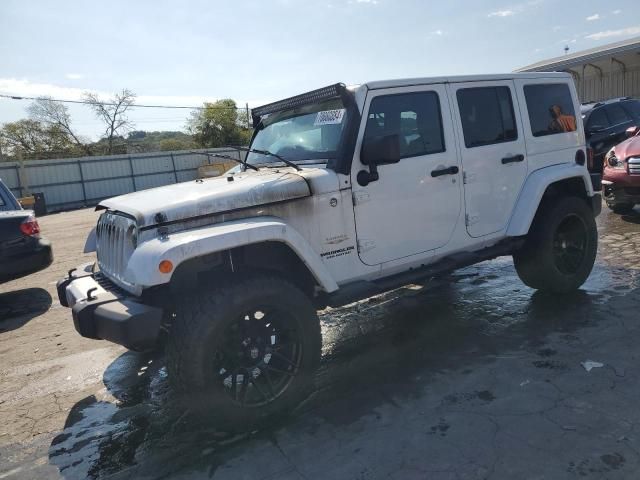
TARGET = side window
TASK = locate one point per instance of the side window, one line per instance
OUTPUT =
(598, 120)
(487, 115)
(616, 114)
(414, 117)
(550, 109)
(632, 107)
(2, 204)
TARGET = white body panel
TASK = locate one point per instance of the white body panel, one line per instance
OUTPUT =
(198, 242)
(490, 186)
(534, 188)
(210, 195)
(397, 216)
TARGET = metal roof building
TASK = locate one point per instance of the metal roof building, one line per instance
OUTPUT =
(609, 71)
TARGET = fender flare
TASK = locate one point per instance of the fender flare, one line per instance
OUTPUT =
(533, 190)
(142, 267)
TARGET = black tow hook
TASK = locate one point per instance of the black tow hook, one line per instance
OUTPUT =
(70, 272)
(89, 292)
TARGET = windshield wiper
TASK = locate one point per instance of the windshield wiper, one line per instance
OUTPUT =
(228, 157)
(267, 153)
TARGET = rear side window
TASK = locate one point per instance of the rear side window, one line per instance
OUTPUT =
(415, 117)
(633, 107)
(550, 109)
(616, 114)
(598, 120)
(487, 115)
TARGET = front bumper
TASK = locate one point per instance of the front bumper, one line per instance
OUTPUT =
(615, 193)
(103, 311)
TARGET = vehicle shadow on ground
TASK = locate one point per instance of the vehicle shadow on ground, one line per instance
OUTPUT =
(20, 306)
(633, 217)
(372, 354)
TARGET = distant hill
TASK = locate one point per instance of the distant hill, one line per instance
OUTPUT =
(139, 141)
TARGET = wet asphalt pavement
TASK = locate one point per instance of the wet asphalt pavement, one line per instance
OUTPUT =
(472, 376)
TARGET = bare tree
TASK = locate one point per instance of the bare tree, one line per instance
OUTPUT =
(55, 114)
(113, 113)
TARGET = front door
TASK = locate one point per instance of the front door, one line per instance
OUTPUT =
(494, 158)
(415, 204)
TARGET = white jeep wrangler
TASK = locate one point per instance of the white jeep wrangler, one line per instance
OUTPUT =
(345, 192)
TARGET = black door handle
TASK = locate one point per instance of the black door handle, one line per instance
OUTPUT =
(514, 159)
(445, 171)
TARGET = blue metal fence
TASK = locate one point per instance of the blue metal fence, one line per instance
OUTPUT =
(70, 183)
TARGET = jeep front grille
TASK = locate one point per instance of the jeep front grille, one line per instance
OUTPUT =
(634, 165)
(116, 237)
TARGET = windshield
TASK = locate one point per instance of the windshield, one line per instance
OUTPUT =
(309, 132)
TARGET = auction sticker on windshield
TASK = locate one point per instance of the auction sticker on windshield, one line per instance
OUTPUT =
(329, 117)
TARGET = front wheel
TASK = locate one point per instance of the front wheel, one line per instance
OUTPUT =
(561, 246)
(245, 351)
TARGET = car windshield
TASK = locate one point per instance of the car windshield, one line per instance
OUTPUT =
(310, 132)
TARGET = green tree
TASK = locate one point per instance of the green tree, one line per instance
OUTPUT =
(219, 124)
(55, 114)
(170, 144)
(35, 140)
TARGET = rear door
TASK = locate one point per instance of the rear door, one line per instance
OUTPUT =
(493, 152)
(620, 121)
(597, 129)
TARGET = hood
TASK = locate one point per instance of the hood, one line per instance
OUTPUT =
(629, 148)
(211, 195)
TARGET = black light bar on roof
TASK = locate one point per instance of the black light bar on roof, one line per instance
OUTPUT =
(325, 93)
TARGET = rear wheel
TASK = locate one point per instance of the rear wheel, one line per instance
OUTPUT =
(561, 246)
(244, 352)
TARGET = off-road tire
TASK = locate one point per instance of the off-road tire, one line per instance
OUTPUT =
(202, 319)
(536, 262)
(620, 208)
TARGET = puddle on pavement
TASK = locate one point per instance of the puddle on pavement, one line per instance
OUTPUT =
(375, 351)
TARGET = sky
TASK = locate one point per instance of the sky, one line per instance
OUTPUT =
(256, 51)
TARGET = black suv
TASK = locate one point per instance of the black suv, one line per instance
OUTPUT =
(22, 250)
(605, 124)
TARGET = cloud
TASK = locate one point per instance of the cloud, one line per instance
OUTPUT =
(437, 32)
(371, 2)
(595, 16)
(26, 88)
(614, 33)
(617, 12)
(74, 76)
(501, 13)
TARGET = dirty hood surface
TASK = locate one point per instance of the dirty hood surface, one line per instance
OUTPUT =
(209, 196)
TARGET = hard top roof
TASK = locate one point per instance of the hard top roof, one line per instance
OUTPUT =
(586, 107)
(406, 82)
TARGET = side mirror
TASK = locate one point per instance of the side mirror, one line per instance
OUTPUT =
(632, 131)
(381, 150)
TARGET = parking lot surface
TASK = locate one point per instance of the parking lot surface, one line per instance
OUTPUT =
(471, 376)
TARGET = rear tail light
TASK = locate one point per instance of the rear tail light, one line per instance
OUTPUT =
(590, 164)
(30, 227)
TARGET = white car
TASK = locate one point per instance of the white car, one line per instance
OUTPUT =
(345, 192)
